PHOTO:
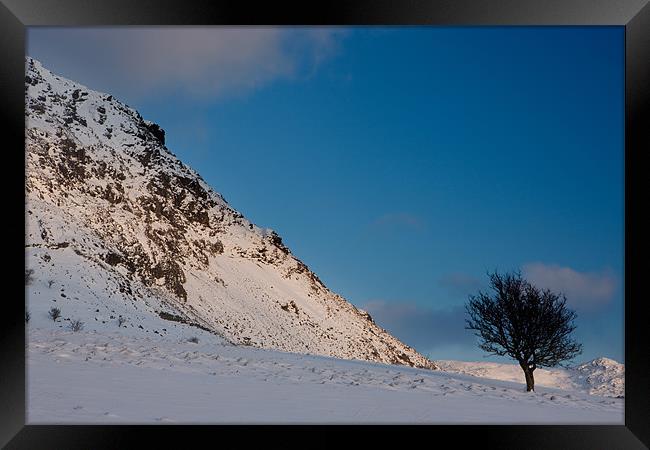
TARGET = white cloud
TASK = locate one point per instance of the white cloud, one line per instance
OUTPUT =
(586, 290)
(198, 61)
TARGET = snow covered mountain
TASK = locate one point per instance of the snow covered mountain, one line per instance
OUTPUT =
(122, 234)
(602, 376)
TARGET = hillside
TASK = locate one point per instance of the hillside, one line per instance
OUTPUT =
(118, 226)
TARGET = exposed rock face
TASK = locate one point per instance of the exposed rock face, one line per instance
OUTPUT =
(100, 182)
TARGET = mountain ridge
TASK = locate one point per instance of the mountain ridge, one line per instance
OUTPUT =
(601, 376)
(106, 198)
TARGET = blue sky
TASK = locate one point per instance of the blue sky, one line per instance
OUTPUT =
(400, 164)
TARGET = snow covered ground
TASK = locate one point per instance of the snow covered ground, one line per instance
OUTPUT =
(146, 370)
(111, 377)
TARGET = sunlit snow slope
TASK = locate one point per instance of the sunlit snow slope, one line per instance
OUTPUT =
(117, 377)
(118, 226)
(602, 376)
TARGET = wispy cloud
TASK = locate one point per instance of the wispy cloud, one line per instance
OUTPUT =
(203, 62)
(322, 43)
(401, 220)
(585, 290)
(460, 284)
(420, 327)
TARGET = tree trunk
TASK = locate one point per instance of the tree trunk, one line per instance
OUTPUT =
(528, 372)
(530, 380)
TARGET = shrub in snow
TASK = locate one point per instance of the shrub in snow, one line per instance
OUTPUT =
(27, 316)
(29, 276)
(54, 314)
(50, 283)
(120, 321)
(76, 325)
(194, 339)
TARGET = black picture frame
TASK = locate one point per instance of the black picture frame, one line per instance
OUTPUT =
(634, 15)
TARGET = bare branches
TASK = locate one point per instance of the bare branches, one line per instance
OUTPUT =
(531, 325)
(54, 313)
(76, 325)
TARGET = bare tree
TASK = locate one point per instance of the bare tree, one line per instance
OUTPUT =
(54, 313)
(76, 325)
(531, 325)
